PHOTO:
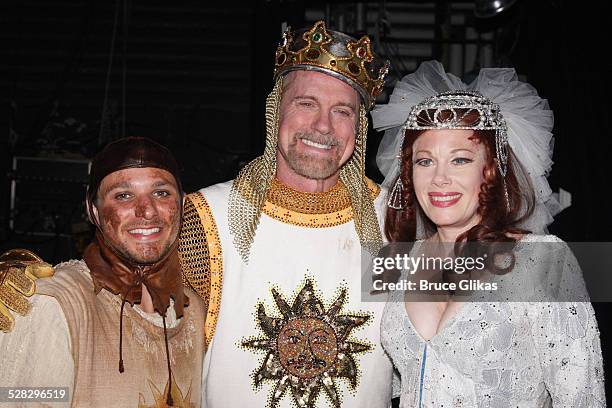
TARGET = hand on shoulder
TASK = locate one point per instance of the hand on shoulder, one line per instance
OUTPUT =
(19, 270)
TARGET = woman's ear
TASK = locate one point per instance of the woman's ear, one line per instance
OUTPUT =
(489, 172)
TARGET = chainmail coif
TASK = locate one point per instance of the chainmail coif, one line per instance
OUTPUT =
(248, 193)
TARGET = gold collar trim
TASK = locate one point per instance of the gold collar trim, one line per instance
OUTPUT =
(334, 200)
(313, 210)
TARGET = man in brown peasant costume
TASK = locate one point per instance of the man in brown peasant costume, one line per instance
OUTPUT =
(80, 333)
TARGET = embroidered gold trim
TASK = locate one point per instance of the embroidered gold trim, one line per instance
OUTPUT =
(312, 210)
(330, 201)
(161, 398)
(202, 257)
(373, 187)
(309, 347)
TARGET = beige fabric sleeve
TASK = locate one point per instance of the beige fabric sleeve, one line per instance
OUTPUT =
(37, 353)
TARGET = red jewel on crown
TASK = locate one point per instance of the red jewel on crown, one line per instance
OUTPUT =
(316, 50)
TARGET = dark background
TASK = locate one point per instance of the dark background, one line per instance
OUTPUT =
(194, 76)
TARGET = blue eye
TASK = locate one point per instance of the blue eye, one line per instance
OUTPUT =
(462, 160)
(423, 162)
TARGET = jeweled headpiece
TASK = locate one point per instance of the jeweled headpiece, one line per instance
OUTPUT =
(336, 54)
(525, 127)
(451, 109)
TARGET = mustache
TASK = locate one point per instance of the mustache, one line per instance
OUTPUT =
(321, 139)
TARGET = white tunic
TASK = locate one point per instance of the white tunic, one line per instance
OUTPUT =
(283, 257)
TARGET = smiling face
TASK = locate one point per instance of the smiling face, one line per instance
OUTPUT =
(317, 127)
(448, 171)
(307, 347)
(138, 212)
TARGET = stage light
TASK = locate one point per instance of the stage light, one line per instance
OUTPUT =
(491, 8)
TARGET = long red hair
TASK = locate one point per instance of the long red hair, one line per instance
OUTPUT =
(499, 222)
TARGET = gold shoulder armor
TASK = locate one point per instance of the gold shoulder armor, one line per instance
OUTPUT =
(201, 257)
(19, 269)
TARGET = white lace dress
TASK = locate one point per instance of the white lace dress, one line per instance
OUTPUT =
(502, 354)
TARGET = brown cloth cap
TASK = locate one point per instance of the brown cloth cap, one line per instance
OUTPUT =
(128, 153)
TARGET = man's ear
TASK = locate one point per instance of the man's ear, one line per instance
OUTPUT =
(92, 213)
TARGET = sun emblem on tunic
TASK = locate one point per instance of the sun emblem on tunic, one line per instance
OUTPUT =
(161, 399)
(307, 348)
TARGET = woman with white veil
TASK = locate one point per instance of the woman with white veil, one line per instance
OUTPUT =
(467, 165)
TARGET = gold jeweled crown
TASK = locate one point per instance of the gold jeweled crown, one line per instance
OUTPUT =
(336, 54)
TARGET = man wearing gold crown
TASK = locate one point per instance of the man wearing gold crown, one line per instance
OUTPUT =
(284, 241)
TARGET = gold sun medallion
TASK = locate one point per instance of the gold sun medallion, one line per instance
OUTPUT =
(178, 400)
(307, 348)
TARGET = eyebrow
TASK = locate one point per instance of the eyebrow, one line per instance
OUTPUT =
(347, 104)
(452, 151)
(462, 150)
(122, 185)
(161, 183)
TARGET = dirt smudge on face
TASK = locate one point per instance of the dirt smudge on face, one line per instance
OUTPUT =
(140, 198)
